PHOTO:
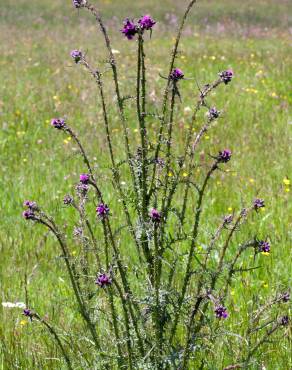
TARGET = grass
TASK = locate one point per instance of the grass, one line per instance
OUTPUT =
(38, 82)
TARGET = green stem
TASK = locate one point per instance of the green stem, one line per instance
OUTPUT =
(192, 249)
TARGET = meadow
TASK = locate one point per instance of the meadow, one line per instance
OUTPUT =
(39, 81)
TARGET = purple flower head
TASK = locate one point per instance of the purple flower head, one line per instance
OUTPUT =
(155, 215)
(77, 232)
(103, 280)
(284, 320)
(79, 3)
(264, 246)
(228, 219)
(129, 29)
(286, 297)
(176, 74)
(226, 76)
(68, 200)
(84, 178)
(28, 214)
(160, 162)
(82, 189)
(30, 205)
(58, 123)
(146, 22)
(27, 312)
(102, 210)
(221, 312)
(76, 55)
(224, 156)
(258, 203)
(213, 113)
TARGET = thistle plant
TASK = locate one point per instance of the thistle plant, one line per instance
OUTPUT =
(149, 296)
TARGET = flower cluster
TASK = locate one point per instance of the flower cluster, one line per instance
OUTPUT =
(102, 210)
(83, 187)
(226, 76)
(284, 321)
(258, 203)
(160, 162)
(264, 246)
(58, 123)
(130, 29)
(77, 232)
(84, 178)
(285, 297)
(155, 215)
(68, 200)
(176, 75)
(29, 213)
(76, 55)
(228, 219)
(224, 156)
(79, 3)
(221, 312)
(27, 312)
(146, 22)
(213, 113)
(103, 280)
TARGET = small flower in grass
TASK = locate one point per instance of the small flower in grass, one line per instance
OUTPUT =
(30, 205)
(228, 219)
(82, 189)
(284, 321)
(78, 3)
(264, 246)
(258, 203)
(84, 178)
(58, 123)
(76, 55)
(224, 156)
(226, 76)
(103, 280)
(213, 113)
(176, 75)
(129, 29)
(155, 215)
(146, 22)
(221, 312)
(286, 181)
(28, 214)
(68, 200)
(102, 210)
(160, 162)
(27, 312)
(77, 232)
(285, 297)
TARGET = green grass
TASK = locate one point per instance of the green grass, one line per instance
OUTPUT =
(38, 82)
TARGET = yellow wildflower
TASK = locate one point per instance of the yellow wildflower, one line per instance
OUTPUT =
(286, 181)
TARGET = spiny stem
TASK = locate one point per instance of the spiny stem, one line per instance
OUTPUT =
(113, 65)
(72, 274)
(166, 91)
(116, 175)
(192, 249)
